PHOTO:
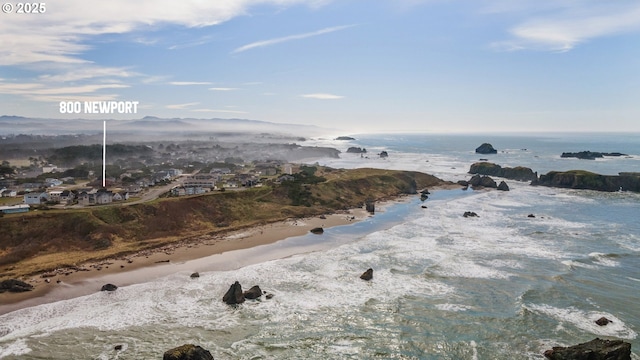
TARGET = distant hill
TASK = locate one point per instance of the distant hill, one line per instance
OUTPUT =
(150, 125)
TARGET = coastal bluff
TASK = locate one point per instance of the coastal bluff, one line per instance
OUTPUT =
(42, 241)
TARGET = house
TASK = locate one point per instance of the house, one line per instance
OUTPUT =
(36, 198)
(220, 171)
(8, 193)
(67, 197)
(121, 196)
(55, 195)
(49, 182)
(286, 178)
(95, 197)
(201, 180)
(49, 168)
(14, 209)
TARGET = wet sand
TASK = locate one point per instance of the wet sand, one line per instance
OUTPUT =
(204, 253)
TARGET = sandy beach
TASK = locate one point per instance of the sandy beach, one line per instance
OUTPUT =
(189, 255)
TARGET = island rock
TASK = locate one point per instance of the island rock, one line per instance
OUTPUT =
(317, 230)
(344, 138)
(356, 150)
(579, 179)
(503, 186)
(486, 148)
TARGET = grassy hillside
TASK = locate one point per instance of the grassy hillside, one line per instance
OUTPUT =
(44, 240)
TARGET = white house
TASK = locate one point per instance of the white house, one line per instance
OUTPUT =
(36, 198)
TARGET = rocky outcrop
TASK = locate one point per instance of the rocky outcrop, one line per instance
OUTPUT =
(234, 295)
(579, 179)
(253, 293)
(14, 286)
(370, 206)
(346, 138)
(470, 214)
(195, 275)
(356, 150)
(603, 321)
(589, 155)
(367, 275)
(595, 349)
(317, 230)
(503, 186)
(187, 352)
(486, 148)
(519, 173)
(109, 287)
(384, 154)
(478, 181)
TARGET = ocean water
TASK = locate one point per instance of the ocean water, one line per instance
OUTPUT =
(499, 286)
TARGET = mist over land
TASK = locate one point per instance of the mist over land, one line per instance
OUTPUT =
(200, 139)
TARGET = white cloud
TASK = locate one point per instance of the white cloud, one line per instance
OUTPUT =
(60, 34)
(222, 89)
(322, 96)
(187, 83)
(181, 106)
(279, 40)
(570, 24)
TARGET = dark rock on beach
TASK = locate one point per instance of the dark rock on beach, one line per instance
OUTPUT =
(187, 352)
(234, 295)
(253, 293)
(367, 275)
(109, 287)
(486, 148)
(15, 286)
(595, 349)
(195, 275)
(317, 230)
(470, 214)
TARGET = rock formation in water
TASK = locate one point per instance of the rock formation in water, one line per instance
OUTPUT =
(367, 275)
(589, 155)
(579, 179)
(253, 293)
(187, 352)
(486, 148)
(234, 295)
(595, 349)
(503, 186)
(519, 173)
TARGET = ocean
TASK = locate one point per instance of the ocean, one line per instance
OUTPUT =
(502, 285)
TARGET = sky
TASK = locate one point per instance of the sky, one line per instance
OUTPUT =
(357, 65)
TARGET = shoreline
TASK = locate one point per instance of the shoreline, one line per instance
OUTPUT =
(147, 265)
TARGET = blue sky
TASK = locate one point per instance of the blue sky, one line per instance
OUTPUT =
(357, 65)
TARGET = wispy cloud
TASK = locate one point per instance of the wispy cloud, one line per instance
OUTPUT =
(181, 106)
(265, 43)
(188, 83)
(565, 27)
(222, 89)
(322, 96)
